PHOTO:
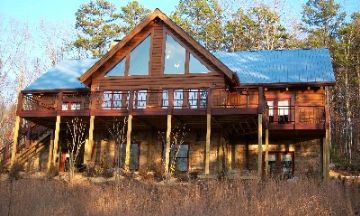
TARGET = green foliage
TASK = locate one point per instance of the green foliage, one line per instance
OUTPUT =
(322, 19)
(131, 15)
(96, 24)
(202, 20)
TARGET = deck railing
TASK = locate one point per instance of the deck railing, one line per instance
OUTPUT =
(160, 101)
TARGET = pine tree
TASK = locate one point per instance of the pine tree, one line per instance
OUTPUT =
(322, 19)
(96, 23)
(258, 28)
(238, 32)
(202, 19)
(131, 15)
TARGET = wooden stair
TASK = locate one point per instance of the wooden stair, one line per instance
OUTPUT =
(31, 150)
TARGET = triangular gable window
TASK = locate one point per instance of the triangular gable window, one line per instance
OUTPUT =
(117, 70)
(140, 58)
(174, 56)
(195, 66)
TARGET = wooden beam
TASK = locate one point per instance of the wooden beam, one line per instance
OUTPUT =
(207, 144)
(326, 155)
(167, 147)
(50, 153)
(267, 152)
(128, 143)
(15, 140)
(90, 141)
(260, 137)
(56, 139)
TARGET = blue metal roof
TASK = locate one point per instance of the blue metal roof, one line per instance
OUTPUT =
(64, 75)
(280, 66)
(251, 67)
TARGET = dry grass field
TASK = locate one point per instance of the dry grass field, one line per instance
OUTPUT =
(131, 197)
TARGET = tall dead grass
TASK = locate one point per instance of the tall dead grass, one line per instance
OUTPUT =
(131, 197)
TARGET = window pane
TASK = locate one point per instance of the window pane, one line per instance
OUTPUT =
(141, 98)
(178, 98)
(283, 107)
(106, 104)
(65, 106)
(183, 151)
(193, 98)
(134, 156)
(117, 70)
(174, 57)
(75, 106)
(195, 66)
(139, 58)
(117, 99)
(271, 107)
(182, 164)
(203, 98)
(165, 99)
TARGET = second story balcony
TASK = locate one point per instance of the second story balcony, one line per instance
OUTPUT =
(171, 101)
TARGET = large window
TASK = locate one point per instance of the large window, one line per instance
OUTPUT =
(197, 98)
(114, 100)
(281, 164)
(174, 57)
(117, 70)
(283, 111)
(271, 110)
(179, 155)
(134, 155)
(195, 66)
(182, 157)
(140, 58)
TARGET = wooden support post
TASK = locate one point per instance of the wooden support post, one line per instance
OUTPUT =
(90, 141)
(326, 154)
(259, 145)
(168, 143)
(15, 140)
(56, 140)
(50, 153)
(128, 143)
(267, 151)
(207, 144)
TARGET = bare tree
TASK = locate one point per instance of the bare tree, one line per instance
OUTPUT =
(76, 128)
(178, 135)
(117, 132)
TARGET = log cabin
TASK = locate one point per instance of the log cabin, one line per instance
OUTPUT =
(248, 113)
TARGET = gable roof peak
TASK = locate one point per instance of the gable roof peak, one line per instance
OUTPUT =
(157, 13)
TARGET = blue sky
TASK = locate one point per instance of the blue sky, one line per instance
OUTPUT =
(64, 10)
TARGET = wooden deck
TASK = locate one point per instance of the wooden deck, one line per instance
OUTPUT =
(180, 102)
